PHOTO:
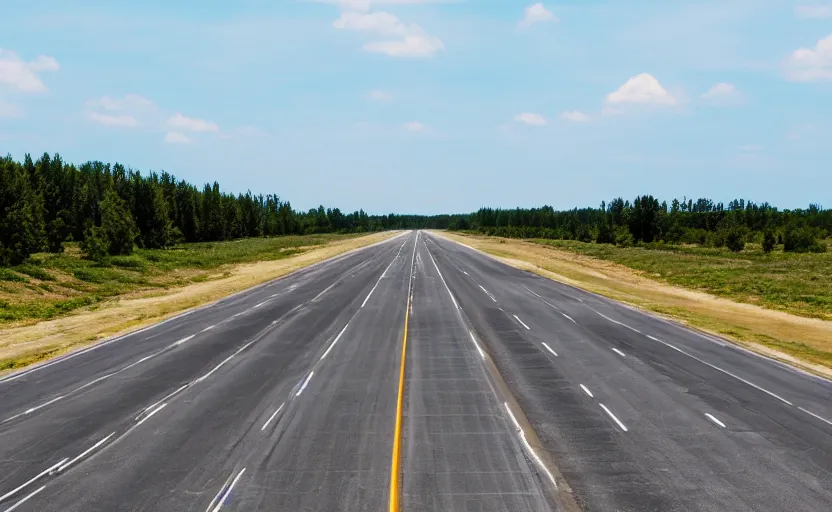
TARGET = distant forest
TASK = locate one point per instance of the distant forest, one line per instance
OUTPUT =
(110, 209)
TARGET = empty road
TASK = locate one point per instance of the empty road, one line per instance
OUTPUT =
(417, 375)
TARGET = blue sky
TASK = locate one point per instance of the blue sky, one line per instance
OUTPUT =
(426, 107)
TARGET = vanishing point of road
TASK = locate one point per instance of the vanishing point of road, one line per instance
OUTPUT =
(416, 374)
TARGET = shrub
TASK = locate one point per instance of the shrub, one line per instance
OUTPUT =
(802, 240)
(735, 239)
(769, 241)
(94, 245)
(623, 238)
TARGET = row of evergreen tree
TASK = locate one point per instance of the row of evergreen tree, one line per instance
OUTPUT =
(647, 221)
(110, 209)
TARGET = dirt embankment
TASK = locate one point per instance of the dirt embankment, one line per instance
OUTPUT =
(803, 342)
(21, 346)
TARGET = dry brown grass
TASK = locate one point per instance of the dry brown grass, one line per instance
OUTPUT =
(24, 345)
(804, 342)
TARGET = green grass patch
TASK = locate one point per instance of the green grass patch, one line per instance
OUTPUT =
(800, 284)
(78, 283)
(8, 275)
(34, 271)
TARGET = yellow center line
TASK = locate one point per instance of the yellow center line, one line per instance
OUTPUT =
(395, 464)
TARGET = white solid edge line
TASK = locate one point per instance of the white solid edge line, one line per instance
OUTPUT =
(334, 341)
(810, 413)
(272, 417)
(712, 418)
(185, 340)
(717, 368)
(228, 491)
(545, 301)
(323, 292)
(442, 278)
(151, 413)
(24, 500)
(377, 283)
(620, 353)
(588, 392)
(528, 446)
(622, 324)
(623, 427)
(569, 318)
(482, 354)
(154, 404)
(219, 493)
(303, 386)
(85, 452)
(31, 481)
(229, 358)
(521, 323)
(41, 406)
(550, 350)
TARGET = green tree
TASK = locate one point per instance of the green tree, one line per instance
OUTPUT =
(22, 229)
(94, 244)
(118, 229)
(769, 241)
(735, 239)
(802, 239)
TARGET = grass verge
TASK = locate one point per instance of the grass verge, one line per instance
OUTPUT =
(85, 302)
(799, 340)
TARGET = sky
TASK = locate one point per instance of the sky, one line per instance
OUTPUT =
(419, 106)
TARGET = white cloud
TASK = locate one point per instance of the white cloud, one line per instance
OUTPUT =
(811, 64)
(813, 11)
(23, 75)
(381, 95)
(576, 116)
(126, 111)
(537, 13)
(129, 102)
(177, 138)
(642, 89)
(402, 40)
(113, 120)
(750, 148)
(10, 111)
(180, 122)
(414, 126)
(722, 94)
(530, 119)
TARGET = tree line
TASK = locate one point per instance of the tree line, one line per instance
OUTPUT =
(647, 221)
(111, 209)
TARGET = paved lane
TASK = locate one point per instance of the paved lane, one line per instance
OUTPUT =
(280, 398)
(640, 413)
(518, 394)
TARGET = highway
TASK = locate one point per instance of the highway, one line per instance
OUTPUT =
(418, 375)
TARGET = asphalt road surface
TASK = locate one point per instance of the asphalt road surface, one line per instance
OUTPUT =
(518, 394)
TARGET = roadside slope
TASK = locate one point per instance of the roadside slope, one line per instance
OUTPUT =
(22, 346)
(803, 342)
